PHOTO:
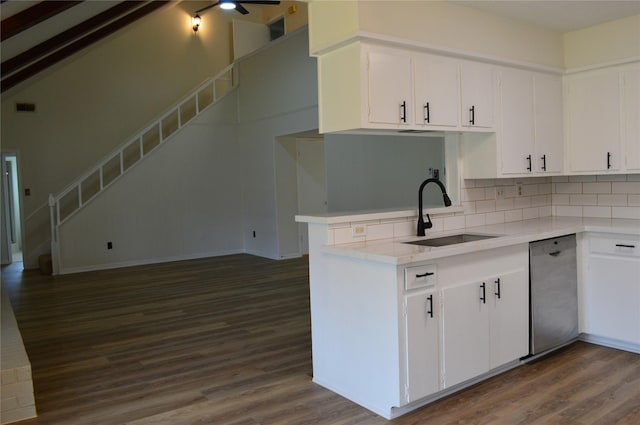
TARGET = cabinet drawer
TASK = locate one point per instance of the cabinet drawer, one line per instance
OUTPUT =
(622, 245)
(420, 276)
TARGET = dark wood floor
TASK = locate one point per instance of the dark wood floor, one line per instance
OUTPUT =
(227, 341)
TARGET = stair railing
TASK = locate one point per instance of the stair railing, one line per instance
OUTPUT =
(88, 186)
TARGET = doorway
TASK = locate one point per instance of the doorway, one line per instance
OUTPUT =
(11, 215)
(311, 182)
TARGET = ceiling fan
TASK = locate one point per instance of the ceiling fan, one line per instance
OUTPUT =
(235, 4)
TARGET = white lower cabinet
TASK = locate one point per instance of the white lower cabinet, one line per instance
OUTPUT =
(422, 346)
(611, 288)
(485, 325)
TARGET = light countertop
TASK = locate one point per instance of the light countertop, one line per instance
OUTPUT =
(394, 251)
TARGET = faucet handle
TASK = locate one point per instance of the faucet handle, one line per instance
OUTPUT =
(428, 224)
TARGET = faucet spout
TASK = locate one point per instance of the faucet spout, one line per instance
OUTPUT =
(447, 203)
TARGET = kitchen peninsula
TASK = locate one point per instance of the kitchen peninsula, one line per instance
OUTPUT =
(397, 325)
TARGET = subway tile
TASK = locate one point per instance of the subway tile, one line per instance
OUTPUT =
(545, 211)
(522, 202)
(568, 211)
(529, 213)
(569, 187)
(345, 235)
(474, 194)
(582, 179)
(560, 199)
(438, 223)
(485, 206)
(633, 177)
(560, 179)
(505, 204)
(529, 189)
(544, 189)
(406, 228)
(612, 178)
(633, 200)
(490, 192)
(625, 187)
(540, 200)
(468, 184)
(485, 182)
(600, 212)
(617, 200)
(577, 199)
(451, 223)
(602, 187)
(495, 217)
(505, 182)
(510, 191)
(469, 207)
(379, 231)
(625, 212)
(513, 215)
(473, 220)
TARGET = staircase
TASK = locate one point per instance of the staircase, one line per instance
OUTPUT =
(131, 153)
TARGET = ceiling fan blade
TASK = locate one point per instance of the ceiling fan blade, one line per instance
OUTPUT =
(241, 9)
(207, 7)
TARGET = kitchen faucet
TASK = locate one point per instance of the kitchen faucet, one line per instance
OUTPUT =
(447, 203)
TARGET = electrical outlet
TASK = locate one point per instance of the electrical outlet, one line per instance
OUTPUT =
(359, 230)
(500, 193)
(518, 190)
(254, 233)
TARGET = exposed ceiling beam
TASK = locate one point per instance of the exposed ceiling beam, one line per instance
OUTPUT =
(56, 42)
(79, 44)
(32, 16)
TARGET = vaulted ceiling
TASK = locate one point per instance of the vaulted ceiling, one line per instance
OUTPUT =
(38, 34)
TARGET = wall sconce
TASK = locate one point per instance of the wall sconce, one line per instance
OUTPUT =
(196, 21)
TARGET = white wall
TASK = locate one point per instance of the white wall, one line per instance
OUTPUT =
(378, 172)
(182, 201)
(277, 97)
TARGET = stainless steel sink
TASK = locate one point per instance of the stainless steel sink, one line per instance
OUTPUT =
(451, 240)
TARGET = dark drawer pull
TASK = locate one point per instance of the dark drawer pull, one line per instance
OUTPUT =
(418, 276)
(621, 245)
(430, 310)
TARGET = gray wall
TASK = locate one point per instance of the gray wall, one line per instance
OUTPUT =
(379, 172)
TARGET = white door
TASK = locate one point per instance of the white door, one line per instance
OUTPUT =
(465, 319)
(389, 77)
(436, 91)
(593, 105)
(509, 318)
(423, 360)
(549, 133)
(516, 92)
(312, 183)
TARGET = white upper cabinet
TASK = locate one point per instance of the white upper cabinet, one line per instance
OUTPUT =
(631, 117)
(516, 134)
(436, 87)
(389, 87)
(593, 121)
(477, 87)
(548, 124)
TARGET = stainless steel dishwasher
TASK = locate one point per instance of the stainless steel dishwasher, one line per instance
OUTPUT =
(554, 293)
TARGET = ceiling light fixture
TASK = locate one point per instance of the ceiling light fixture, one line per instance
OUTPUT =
(227, 5)
(196, 21)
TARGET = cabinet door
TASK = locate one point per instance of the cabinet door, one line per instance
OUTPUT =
(509, 317)
(423, 361)
(548, 127)
(477, 82)
(611, 297)
(631, 111)
(389, 85)
(436, 91)
(593, 106)
(516, 91)
(465, 318)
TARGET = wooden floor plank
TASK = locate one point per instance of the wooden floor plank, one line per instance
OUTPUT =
(227, 341)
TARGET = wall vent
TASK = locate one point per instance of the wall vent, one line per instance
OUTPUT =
(25, 107)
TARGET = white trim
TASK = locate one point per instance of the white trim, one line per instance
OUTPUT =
(619, 62)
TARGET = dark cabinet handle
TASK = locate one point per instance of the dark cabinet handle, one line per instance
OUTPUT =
(403, 107)
(472, 111)
(497, 282)
(418, 276)
(608, 160)
(555, 253)
(430, 309)
(621, 245)
(427, 114)
(529, 166)
(544, 162)
(483, 298)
